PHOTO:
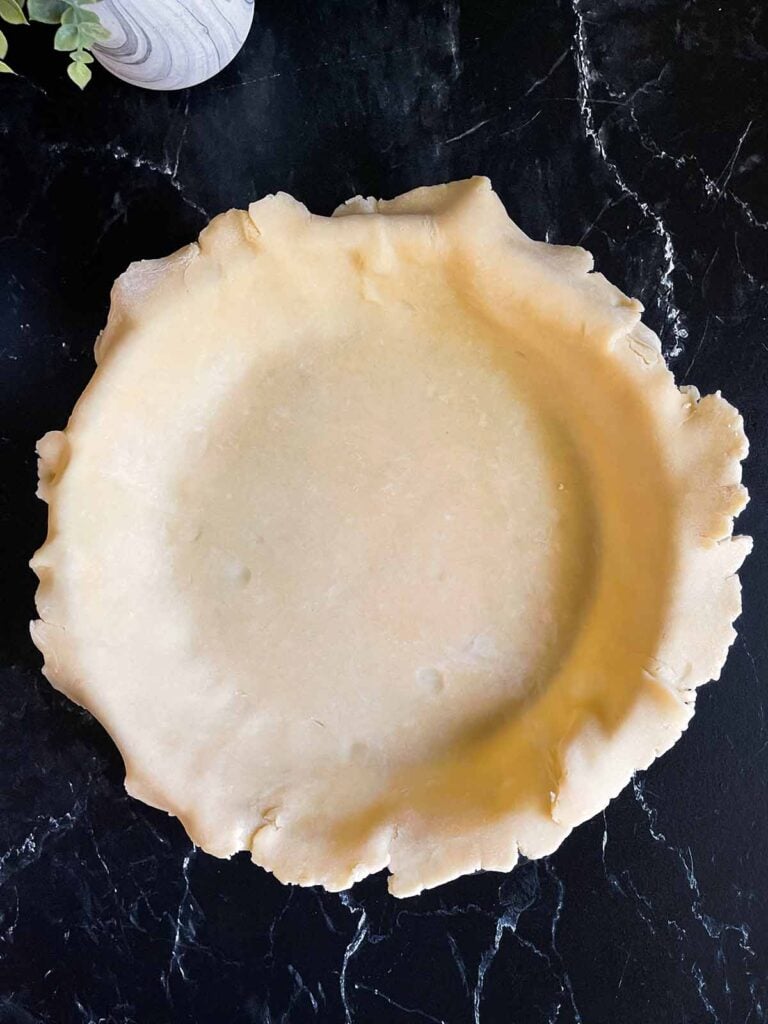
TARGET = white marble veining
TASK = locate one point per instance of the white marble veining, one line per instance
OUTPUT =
(171, 44)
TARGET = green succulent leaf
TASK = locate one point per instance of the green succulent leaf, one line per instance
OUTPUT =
(82, 57)
(50, 12)
(11, 11)
(5, 70)
(76, 16)
(3, 45)
(79, 73)
(78, 13)
(67, 38)
(96, 32)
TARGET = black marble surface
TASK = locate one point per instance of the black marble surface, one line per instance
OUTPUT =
(636, 127)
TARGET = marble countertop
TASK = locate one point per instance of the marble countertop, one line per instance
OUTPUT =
(637, 129)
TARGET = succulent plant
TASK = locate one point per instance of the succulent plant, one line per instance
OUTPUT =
(78, 29)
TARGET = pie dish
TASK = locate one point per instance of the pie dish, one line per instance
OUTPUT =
(385, 539)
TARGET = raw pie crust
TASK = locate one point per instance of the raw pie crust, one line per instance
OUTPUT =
(385, 539)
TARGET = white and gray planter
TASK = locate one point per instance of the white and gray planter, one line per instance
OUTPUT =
(171, 44)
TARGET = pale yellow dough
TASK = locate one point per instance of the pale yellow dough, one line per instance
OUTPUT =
(386, 539)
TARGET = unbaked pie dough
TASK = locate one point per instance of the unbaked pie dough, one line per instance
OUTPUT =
(385, 539)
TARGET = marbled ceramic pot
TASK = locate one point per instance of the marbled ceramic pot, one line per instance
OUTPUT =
(171, 44)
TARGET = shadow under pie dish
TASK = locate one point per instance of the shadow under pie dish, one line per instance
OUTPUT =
(385, 539)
